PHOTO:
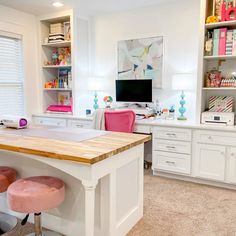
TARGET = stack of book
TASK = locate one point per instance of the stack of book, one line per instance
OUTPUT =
(222, 41)
(56, 33)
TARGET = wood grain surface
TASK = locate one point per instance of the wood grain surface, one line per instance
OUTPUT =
(89, 151)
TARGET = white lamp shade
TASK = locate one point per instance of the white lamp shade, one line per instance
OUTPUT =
(182, 82)
(96, 83)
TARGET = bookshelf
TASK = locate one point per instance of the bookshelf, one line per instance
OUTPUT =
(78, 65)
(224, 63)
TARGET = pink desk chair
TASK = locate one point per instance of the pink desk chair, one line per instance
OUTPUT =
(35, 195)
(120, 121)
(7, 177)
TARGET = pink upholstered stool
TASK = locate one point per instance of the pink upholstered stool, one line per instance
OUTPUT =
(7, 176)
(35, 195)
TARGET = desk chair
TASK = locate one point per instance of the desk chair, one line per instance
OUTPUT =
(120, 121)
(35, 195)
(7, 177)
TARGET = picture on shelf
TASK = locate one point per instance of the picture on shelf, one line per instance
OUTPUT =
(64, 98)
(60, 57)
(67, 31)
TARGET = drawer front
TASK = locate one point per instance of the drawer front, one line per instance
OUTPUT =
(179, 163)
(50, 121)
(173, 133)
(80, 124)
(171, 146)
(143, 129)
(211, 137)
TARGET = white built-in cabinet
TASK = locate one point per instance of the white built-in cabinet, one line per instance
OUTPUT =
(232, 165)
(192, 153)
(210, 161)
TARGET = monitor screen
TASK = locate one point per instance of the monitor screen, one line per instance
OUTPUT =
(134, 90)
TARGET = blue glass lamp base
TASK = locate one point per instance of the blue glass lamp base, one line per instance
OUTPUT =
(182, 109)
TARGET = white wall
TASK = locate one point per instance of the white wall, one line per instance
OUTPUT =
(178, 22)
(25, 24)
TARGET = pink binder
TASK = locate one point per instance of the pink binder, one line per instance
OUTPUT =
(222, 45)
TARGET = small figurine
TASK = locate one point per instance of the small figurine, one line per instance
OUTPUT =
(108, 100)
(212, 19)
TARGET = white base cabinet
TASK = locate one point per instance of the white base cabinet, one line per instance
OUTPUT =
(194, 154)
(231, 177)
(210, 161)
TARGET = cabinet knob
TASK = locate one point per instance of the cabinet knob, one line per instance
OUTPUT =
(209, 137)
(232, 154)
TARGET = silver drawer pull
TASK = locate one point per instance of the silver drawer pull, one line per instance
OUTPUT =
(79, 126)
(170, 162)
(170, 147)
(171, 134)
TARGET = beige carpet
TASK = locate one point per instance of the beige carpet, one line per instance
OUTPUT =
(177, 208)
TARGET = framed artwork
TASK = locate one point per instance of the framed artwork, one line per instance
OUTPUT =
(141, 59)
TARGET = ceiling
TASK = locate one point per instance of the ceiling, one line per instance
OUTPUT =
(86, 7)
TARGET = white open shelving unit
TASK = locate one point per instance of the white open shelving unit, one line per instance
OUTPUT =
(226, 63)
(79, 57)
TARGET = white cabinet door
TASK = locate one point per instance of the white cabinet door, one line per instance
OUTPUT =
(210, 161)
(232, 165)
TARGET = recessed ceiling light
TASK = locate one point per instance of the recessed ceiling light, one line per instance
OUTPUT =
(57, 4)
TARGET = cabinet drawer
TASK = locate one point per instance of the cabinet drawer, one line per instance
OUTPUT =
(211, 137)
(172, 133)
(179, 163)
(171, 146)
(143, 129)
(50, 121)
(80, 124)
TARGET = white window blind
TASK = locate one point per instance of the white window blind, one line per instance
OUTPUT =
(11, 76)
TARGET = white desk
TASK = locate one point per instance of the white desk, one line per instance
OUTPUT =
(181, 149)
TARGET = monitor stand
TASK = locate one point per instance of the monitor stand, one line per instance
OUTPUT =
(139, 109)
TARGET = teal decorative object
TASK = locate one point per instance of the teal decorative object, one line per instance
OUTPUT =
(182, 109)
(95, 106)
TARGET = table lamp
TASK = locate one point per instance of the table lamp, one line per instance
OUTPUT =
(182, 82)
(95, 84)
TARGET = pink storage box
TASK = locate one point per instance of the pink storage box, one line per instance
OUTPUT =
(60, 109)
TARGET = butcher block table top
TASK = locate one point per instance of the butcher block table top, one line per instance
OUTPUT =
(79, 145)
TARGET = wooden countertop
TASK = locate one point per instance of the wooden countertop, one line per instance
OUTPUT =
(90, 150)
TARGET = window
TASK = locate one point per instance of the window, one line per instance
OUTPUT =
(11, 75)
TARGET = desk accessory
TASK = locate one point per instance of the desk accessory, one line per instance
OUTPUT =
(182, 81)
(108, 100)
(224, 118)
(16, 122)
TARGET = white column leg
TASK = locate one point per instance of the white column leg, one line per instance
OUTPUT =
(89, 187)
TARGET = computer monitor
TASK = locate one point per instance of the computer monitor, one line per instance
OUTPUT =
(137, 91)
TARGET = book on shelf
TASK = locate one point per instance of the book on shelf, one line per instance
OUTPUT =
(216, 41)
(234, 43)
(222, 41)
(229, 42)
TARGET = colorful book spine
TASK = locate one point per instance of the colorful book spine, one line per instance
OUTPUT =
(216, 39)
(234, 43)
(222, 43)
(229, 42)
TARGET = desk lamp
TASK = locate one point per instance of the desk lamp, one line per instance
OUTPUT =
(182, 82)
(95, 84)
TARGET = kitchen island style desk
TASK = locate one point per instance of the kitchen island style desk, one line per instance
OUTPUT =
(103, 173)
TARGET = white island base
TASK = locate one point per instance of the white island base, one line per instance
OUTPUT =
(102, 199)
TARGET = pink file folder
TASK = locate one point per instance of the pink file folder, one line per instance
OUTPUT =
(222, 44)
